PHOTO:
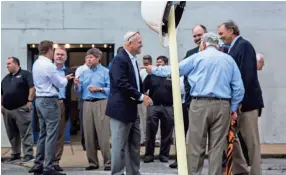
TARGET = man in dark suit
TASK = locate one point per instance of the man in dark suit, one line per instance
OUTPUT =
(125, 94)
(198, 32)
(60, 57)
(244, 54)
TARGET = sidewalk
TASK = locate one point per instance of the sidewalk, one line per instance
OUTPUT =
(75, 157)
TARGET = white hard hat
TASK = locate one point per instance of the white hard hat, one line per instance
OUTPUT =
(155, 14)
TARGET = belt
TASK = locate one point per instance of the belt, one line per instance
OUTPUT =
(47, 97)
(93, 99)
(210, 98)
(62, 99)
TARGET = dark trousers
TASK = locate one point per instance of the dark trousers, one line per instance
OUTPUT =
(166, 116)
(18, 123)
(186, 117)
(80, 104)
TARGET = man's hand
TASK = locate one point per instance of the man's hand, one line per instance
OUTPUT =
(29, 105)
(147, 101)
(94, 89)
(70, 76)
(148, 69)
(233, 116)
(76, 81)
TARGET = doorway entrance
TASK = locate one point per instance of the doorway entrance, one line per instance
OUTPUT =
(76, 57)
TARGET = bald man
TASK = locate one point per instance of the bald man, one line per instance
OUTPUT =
(126, 92)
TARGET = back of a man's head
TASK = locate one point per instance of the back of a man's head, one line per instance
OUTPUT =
(44, 47)
(210, 38)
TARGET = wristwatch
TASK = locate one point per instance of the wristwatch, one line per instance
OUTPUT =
(101, 90)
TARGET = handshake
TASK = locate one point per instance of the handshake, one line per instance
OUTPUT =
(147, 100)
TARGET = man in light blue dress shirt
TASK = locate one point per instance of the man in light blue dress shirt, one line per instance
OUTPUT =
(78, 72)
(216, 90)
(93, 85)
(60, 58)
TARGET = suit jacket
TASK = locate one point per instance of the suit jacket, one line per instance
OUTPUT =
(186, 83)
(124, 96)
(68, 93)
(244, 55)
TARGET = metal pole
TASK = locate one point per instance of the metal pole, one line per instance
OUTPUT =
(177, 101)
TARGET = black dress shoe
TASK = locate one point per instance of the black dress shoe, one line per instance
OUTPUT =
(174, 164)
(35, 169)
(13, 157)
(53, 172)
(107, 168)
(91, 168)
(148, 159)
(107, 165)
(58, 168)
(164, 159)
(28, 158)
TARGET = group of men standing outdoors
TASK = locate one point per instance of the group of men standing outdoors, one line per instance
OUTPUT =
(217, 84)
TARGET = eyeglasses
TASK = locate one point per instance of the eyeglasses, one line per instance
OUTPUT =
(133, 35)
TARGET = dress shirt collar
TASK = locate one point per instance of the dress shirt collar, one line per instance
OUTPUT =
(211, 48)
(42, 57)
(85, 66)
(63, 68)
(130, 55)
(233, 41)
(95, 68)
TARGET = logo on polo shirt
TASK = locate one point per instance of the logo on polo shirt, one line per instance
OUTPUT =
(18, 76)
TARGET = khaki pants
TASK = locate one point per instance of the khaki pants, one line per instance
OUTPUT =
(95, 122)
(61, 135)
(207, 117)
(248, 127)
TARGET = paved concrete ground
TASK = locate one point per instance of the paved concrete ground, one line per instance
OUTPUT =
(74, 156)
(269, 166)
(74, 160)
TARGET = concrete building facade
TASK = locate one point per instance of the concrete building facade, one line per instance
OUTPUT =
(262, 23)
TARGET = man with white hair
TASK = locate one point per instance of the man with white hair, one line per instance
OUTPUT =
(126, 92)
(260, 61)
(216, 91)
